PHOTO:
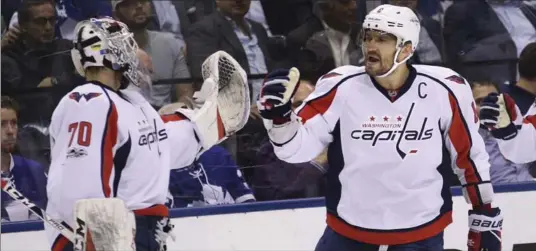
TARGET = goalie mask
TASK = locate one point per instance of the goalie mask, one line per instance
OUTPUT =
(105, 42)
(400, 22)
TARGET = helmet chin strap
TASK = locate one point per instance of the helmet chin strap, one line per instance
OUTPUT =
(395, 64)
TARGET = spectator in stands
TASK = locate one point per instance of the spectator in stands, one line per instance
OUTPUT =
(245, 40)
(27, 175)
(483, 39)
(177, 16)
(282, 16)
(501, 169)
(70, 12)
(430, 39)
(36, 58)
(334, 25)
(524, 91)
(274, 179)
(330, 35)
(227, 29)
(256, 13)
(167, 50)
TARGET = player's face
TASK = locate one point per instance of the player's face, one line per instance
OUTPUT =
(135, 13)
(9, 129)
(379, 49)
(480, 92)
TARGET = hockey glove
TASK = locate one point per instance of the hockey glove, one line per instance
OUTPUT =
(496, 115)
(277, 91)
(485, 230)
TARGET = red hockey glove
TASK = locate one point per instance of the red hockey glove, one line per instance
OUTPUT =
(485, 230)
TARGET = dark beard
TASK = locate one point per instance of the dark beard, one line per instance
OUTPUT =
(133, 26)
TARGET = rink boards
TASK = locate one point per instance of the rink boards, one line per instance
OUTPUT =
(297, 225)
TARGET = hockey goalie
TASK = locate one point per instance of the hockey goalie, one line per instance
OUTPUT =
(111, 150)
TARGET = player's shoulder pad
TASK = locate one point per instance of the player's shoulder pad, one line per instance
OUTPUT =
(87, 94)
(448, 77)
(336, 77)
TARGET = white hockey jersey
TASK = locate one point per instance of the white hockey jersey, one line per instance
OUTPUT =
(390, 153)
(183, 138)
(106, 144)
(522, 148)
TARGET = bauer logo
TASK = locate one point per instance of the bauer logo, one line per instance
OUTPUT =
(486, 223)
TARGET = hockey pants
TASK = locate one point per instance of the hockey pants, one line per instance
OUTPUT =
(331, 241)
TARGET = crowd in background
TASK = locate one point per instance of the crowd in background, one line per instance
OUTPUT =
(490, 43)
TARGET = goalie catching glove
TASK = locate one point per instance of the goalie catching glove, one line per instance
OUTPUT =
(277, 91)
(497, 112)
(485, 230)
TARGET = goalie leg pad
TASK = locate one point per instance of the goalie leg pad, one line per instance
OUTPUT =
(109, 223)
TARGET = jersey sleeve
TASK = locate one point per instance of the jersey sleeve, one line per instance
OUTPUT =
(310, 130)
(469, 158)
(85, 142)
(522, 148)
(184, 141)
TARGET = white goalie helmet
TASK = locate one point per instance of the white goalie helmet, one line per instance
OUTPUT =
(105, 42)
(399, 21)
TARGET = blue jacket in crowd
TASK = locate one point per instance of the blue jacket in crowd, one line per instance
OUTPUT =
(30, 179)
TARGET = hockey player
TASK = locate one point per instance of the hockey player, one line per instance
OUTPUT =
(516, 135)
(107, 141)
(393, 131)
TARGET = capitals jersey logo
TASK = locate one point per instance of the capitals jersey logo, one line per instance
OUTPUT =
(76, 96)
(393, 129)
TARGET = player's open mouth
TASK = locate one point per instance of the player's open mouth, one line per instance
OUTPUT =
(373, 59)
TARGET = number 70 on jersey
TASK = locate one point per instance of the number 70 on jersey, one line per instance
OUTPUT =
(82, 131)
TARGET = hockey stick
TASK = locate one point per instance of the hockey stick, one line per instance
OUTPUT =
(64, 228)
(78, 237)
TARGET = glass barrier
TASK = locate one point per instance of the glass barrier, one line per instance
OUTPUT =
(314, 36)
